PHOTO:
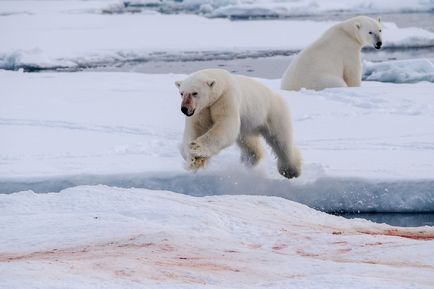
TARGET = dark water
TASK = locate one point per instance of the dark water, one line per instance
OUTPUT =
(396, 219)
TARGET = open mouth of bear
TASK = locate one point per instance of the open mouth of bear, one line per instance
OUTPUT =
(189, 113)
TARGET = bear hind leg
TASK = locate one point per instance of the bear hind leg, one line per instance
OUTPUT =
(251, 149)
(288, 156)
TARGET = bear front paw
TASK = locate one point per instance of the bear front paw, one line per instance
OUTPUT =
(198, 150)
(197, 163)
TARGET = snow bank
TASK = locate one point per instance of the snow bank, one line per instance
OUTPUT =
(367, 149)
(88, 40)
(45, 7)
(400, 71)
(246, 9)
(133, 238)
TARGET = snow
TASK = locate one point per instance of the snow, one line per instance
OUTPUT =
(93, 192)
(45, 7)
(274, 8)
(217, 8)
(277, 8)
(365, 149)
(104, 237)
(80, 40)
(399, 71)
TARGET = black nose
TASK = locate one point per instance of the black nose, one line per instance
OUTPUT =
(378, 45)
(184, 110)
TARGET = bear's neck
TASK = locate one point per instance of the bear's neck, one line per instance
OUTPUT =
(349, 30)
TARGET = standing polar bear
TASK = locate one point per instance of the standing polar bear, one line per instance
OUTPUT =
(334, 59)
(224, 108)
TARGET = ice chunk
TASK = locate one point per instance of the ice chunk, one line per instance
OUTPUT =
(399, 71)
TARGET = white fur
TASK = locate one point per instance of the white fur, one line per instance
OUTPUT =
(231, 108)
(333, 60)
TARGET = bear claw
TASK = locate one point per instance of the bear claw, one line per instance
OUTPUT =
(197, 163)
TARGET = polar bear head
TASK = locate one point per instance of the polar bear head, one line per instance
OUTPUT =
(368, 31)
(196, 92)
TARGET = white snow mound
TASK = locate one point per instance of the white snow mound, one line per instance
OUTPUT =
(103, 237)
(399, 71)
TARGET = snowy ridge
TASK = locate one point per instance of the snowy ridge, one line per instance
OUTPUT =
(104, 237)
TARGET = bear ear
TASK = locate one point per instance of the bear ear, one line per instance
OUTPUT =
(178, 83)
(357, 25)
(379, 19)
(210, 82)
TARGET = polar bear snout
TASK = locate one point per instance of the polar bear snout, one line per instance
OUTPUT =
(188, 112)
(378, 44)
(188, 105)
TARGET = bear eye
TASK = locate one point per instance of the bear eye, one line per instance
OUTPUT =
(182, 94)
(370, 32)
(194, 93)
(379, 30)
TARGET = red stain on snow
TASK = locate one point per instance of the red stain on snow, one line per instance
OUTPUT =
(373, 244)
(279, 246)
(195, 263)
(415, 235)
(303, 253)
(252, 245)
(344, 251)
(421, 235)
(135, 260)
(231, 251)
(340, 243)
